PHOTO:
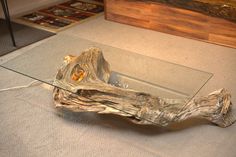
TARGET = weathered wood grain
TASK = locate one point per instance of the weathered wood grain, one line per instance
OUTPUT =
(84, 87)
(171, 20)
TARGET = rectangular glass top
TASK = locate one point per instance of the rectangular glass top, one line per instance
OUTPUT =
(129, 70)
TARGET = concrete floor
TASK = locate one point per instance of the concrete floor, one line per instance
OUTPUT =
(30, 126)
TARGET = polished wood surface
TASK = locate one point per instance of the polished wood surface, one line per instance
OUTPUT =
(225, 9)
(172, 20)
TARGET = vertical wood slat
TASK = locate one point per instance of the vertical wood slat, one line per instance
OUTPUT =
(172, 20)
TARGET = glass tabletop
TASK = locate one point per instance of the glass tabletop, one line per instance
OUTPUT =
(128, 69)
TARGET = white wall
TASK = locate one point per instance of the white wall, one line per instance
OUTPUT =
(17, 7)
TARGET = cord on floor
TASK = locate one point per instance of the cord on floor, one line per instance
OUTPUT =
(33, 83)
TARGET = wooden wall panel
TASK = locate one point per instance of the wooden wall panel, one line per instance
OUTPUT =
(172, 20)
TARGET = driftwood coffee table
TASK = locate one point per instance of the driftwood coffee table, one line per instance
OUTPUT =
(107, 80)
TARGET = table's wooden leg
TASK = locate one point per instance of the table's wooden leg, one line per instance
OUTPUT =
(8, 20)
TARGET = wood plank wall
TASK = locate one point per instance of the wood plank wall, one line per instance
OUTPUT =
(172, 20)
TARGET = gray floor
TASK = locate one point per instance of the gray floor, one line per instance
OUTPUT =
(24, 35)
(30, 126)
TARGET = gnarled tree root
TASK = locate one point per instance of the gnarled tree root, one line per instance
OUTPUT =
(85, 79)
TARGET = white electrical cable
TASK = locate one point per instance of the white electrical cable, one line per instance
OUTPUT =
(35, 82)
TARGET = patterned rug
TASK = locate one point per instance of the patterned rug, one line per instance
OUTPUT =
(61, 16)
